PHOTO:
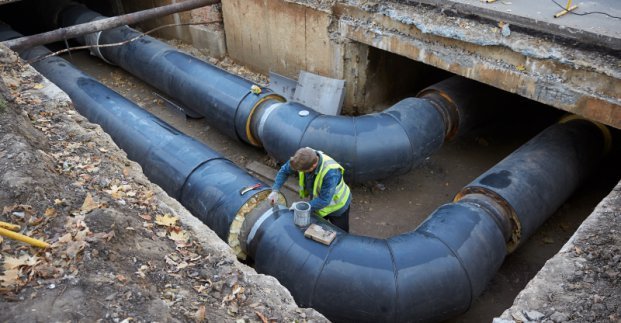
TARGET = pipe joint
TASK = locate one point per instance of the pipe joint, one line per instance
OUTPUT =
(499, 210)
(249, 132)
(447, 109)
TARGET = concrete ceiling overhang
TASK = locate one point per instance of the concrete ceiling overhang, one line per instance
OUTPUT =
(584, 81)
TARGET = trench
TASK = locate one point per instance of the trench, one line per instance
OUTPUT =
(392, 206)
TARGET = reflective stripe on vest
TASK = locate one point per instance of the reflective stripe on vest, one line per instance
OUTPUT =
(342, 192)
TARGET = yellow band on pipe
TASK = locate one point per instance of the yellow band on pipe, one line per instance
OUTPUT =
(9, 226)
(23, 238)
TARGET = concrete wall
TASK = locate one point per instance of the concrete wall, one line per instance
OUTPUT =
(280, 36)
(207, 38)
(286, 37)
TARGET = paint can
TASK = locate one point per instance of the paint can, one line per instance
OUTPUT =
(301, 214)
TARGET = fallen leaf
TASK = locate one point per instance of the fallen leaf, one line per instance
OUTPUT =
(9, 278)
(74, 248)
(50, 212)
(548, 240)
(141, 271)
(89, 204)
(38, 86)
(520, 68)
(8, 209)
(166, 220)
(201, 313)
(180, 236)
(146, 217)
(24, 260)
(12, 268)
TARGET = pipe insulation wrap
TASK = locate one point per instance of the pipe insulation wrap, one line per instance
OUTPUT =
(373, 146)
(200, 178)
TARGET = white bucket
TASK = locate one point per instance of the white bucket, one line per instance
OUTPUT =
(301, 214)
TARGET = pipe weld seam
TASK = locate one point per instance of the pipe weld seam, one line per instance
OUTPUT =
(187, 178)
(412, 150)
(396, 275)
(461, 263)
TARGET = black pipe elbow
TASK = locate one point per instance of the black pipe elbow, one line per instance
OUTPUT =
(372, 146)
(432, 273)
(369, 147)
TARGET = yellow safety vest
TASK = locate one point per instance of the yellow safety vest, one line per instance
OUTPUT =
(341, 193)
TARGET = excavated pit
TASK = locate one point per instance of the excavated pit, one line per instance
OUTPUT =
(391, 206)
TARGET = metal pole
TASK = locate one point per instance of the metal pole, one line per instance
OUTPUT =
(22, 43)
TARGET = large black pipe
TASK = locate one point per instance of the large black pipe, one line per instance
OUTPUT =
(436, 271)
(534, 181)
(370, 147)
(432, 273)
(206, 183)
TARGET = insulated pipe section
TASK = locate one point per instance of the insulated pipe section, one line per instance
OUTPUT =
(223, 98)
(436, 271)
(206, 183)
(533, 182)
(373, 146)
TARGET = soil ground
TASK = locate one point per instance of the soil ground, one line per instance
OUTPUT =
(379, 209)
(582, 282)
(121, 249)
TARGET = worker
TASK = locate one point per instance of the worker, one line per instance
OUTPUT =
(321, 177)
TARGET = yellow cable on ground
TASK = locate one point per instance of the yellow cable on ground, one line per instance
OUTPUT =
(23, 238)
(9, 226)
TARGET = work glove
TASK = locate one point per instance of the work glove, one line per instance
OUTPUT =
(273, 197)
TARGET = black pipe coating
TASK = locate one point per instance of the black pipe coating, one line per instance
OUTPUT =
(373, 146)
(205, 182)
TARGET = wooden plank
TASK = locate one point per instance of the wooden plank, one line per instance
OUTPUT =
(269, 174)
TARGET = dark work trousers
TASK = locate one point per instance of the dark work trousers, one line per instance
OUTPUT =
(341, 221)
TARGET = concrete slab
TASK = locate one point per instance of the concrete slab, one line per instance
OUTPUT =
(596, 28)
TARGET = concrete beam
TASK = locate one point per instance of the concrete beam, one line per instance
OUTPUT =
(577, 81)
